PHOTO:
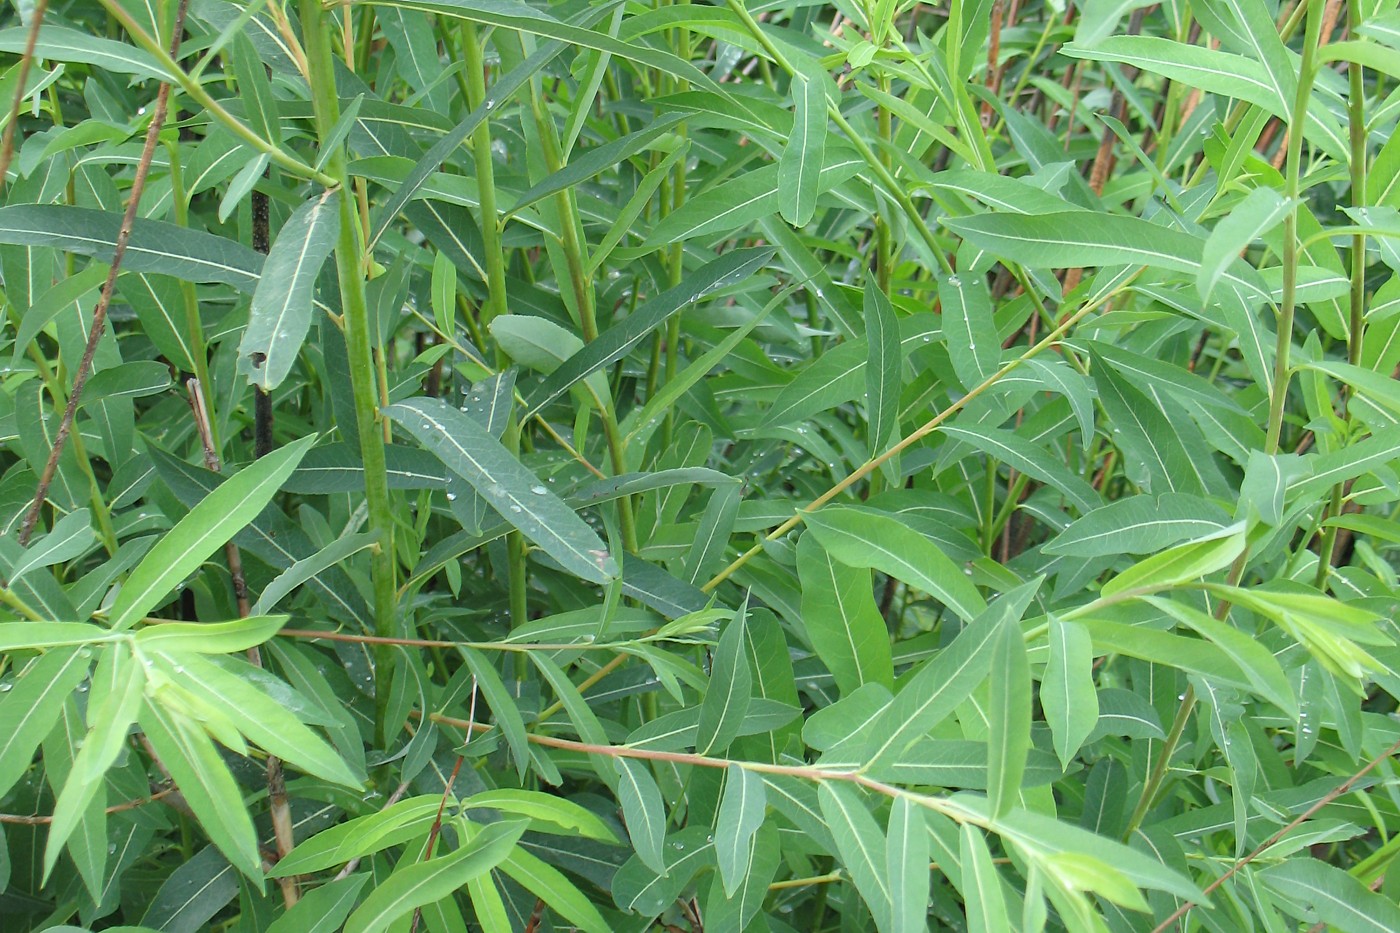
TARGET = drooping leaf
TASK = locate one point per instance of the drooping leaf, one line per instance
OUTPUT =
(281, 311)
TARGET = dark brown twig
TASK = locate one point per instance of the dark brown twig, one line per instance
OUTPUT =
(7, 143)
(99, 313)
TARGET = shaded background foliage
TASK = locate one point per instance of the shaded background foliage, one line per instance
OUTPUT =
(791, 466)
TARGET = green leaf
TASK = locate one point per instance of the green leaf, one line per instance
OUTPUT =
(116, 698)
(70, 538)
(639, 889)
(1067, 693)
(58, 43)
(1265, 673)
(643, 811)
(32, 706)
(1209, 70)
(1259, 212)
(260, 718)
(1322, 893)
(282, 303)
(931, 694)
(521, 498)
(155, 246)
(884, 367)
(727, 697)
(1139, 525)
(322, 909)
(1009, 716)
(740, 814)
(543, 808)
(739, 201)
(208, 526)
(983, 890)
(363, 835)
(968, 329)
(338, 551)
(860, 845)
(841, 619)
(1180, 564)
(618, 340)
(799, 167)
(861, 538)
(906, 865)
(417, 884)
(1158, 458)
(205, 782)
(209, 637)
(1014, 450)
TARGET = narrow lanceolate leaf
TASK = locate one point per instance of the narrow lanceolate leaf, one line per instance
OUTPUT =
(868, 539)
(970, 334)
(931, 694)
(727, 698)
(841, 619)
(740, 815)
(1257, 214)
(1317, 892)
(110, 714)
(323, 909)
(860, 845)
(30, 709)
(643, 811)
(207, 526)
(618, 340)
(205, 782)
(69, 538)
(981, 885)
(521, 498)
(1139, 525)
(906, 865)
(259, 717)
(1009, 714)
(155, 246)
(799, 168)
(1067, 690)
(884, 365)
(1064, 240)
(281, 310)
(416, 884)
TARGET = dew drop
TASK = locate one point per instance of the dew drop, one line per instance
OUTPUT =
(954, 281)
(6, 688)
(927, 338)
(111, 848)
(1181, 696)
(490, 103)
(451, 497)
(427, 427)
(517, 509)
(538, 490)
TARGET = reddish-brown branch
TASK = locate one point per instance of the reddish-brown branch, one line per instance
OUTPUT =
(7, 143)
(99, 313)
(1303, 817)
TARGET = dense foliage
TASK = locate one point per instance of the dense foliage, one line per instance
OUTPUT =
(623, 466)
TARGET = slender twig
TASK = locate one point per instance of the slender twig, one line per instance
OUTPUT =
(1303, 817)
(442, 804)
(115, 808)
(99, 313)
(7, 143)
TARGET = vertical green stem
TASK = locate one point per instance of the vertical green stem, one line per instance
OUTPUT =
(517, 566)
(1292, 189)
(350, 272)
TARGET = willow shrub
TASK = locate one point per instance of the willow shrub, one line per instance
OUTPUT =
(610, 466)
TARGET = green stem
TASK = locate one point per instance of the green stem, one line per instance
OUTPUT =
(350, 271)
(200, 96)
(1292, 189)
